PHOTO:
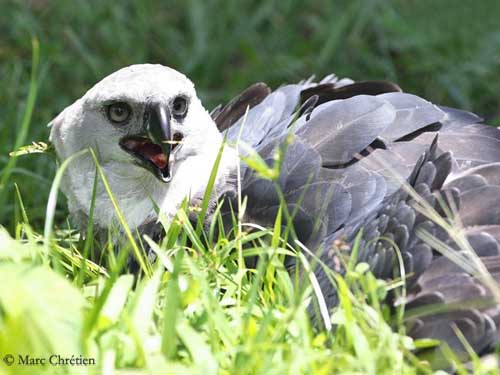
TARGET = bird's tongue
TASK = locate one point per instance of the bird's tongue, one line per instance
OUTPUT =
(153, 153)
(149, 151)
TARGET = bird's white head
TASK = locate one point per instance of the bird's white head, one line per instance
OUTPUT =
(153, 139)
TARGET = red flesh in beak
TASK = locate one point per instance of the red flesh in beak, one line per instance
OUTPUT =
(147, 150)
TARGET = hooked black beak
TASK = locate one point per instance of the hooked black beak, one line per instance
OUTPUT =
(153, 147)
(158, 129)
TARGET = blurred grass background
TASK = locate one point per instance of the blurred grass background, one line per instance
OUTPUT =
(447, 51)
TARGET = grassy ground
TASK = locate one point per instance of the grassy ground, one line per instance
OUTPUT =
(208, 313)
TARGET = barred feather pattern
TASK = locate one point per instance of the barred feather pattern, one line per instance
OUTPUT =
(359, 154)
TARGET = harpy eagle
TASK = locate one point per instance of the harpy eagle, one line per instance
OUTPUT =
(359, 155)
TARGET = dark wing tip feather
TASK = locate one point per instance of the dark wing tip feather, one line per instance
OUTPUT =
(227, 115)
(328, 91)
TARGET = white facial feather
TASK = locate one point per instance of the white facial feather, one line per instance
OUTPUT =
(84, 124)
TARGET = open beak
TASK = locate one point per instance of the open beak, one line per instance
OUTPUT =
(152, 147)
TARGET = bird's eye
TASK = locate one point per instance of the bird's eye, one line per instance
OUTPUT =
(119, 112)
(179, 106)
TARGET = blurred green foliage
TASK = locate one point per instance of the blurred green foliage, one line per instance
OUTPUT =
(447, 51)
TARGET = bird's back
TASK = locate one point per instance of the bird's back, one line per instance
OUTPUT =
(419, 180)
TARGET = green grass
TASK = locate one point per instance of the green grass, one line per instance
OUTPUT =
(200, 311)
(207, 312)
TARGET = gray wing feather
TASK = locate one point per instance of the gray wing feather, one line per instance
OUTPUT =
(345, 127)
(456, 118)
(269, 119)
(412, 114)
(469, 150)
(333, 179)
(255, 126)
